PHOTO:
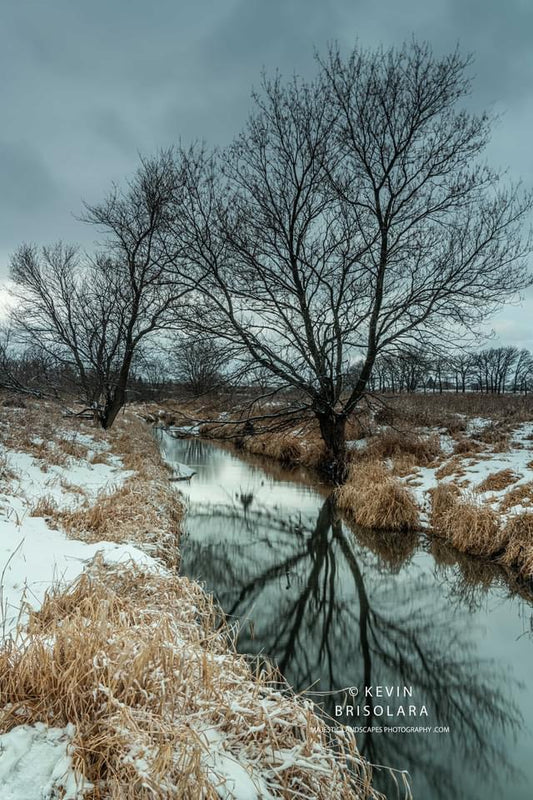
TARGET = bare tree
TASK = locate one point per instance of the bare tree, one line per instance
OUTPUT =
(199, 364)
(523, 372)
(352, 214)
(462, 364)
(494, 365)
(21, 371)
(93, 314)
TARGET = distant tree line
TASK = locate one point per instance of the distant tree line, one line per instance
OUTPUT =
(493, 370)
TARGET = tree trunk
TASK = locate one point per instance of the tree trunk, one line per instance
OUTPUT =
(112, 408)
(333, 432)
(117, 399)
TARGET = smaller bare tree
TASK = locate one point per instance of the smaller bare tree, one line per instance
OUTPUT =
(93, 314)
(199, 364)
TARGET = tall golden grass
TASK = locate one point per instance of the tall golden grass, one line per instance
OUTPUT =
(145, 509)
(518, 553)
(470, 526)
(392, 443)
(373, 498)
(146, 513)
(136, 662)
(144, 666)
(518, 495)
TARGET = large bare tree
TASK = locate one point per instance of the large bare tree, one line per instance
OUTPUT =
(352, 216)
(93, 314)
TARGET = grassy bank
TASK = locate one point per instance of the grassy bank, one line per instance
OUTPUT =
(114, 669)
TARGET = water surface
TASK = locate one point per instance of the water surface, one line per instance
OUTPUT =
(336, 607)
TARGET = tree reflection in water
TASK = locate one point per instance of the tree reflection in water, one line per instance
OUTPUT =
(334, 608)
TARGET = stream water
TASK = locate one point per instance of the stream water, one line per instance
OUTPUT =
(337, 607)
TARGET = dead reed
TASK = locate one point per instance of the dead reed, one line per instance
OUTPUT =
(518, 553)
(398, 444)
(134, 660)
(497, 481)
(470, 526)
(519, 495)
(373, 498)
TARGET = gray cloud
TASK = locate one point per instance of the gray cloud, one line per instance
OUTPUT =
(86, 86)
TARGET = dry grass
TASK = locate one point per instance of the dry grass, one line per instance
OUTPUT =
(144, 510)
(519, 495)
(143, 666)
(497, 481)
(518, 553)
(474, 528)
(101, 457)
(284, 447)
(373, 498)
(398, 444)
(467, 447)
(404, 465)
(497, 435)
(443, 498)
(470, 526)
(288, 448)
(148, 515)
(132, 660)
(453, 466)
(450, 410)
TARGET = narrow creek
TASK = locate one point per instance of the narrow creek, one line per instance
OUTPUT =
(336, 607)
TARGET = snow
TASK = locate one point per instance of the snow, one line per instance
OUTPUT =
(35, 764)
(474, 471)
(356, 444)
(184, 430)
(182, 470)
(476, 425)
(232, 779)
(34, 557)
(34, 483)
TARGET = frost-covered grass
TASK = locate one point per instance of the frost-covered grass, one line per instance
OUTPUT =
(117, 678)
(161, 703)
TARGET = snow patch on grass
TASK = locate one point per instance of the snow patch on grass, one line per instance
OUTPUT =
(35, 763)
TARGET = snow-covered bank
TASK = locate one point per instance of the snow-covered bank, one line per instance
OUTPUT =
(472, 470)
(33, 556)
(114, 671)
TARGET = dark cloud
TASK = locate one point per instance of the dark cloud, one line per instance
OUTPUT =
(86, 86)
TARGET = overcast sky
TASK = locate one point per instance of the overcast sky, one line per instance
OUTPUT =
(86, 86)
